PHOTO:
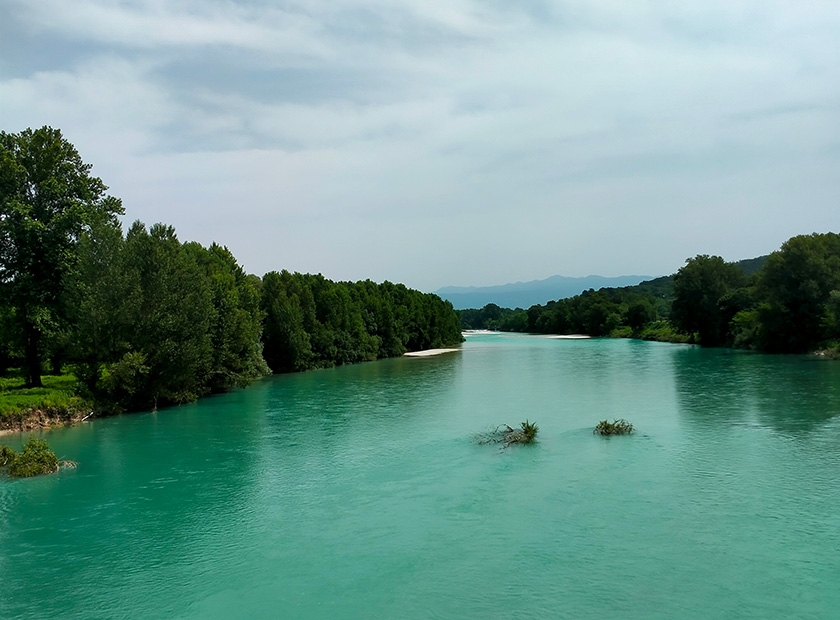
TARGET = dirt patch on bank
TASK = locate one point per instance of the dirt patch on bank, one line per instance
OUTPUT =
(37, 419)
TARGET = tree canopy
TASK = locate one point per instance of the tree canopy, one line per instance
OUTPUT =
(798, 291)
(145, 319)
(699, 305)
(47, 200)
(788, 301)
(313, 322)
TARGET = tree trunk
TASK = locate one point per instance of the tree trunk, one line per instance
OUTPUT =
(56, 361)
(33, 361)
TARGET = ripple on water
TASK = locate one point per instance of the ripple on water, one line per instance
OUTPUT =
(358, 492)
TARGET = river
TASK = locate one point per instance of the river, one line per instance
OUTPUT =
(359, 492)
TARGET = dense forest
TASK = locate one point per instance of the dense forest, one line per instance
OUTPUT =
(142, 319)
(787, 302)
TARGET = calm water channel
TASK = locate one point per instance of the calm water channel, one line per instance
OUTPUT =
(359, 493)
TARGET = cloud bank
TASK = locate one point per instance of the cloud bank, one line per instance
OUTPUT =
(439, 143)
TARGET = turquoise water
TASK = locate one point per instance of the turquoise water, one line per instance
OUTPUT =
(359, 492)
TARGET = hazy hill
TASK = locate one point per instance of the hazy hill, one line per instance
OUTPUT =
(526, 294)
(663, 287)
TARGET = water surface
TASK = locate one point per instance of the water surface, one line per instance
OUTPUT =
(359, 492)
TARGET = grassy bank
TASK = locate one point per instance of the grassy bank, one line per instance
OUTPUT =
(23, 408)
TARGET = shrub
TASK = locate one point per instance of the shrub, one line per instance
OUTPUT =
(663, 331)
(625, 331)
(7, 456)
(529, 432)
(35, 459)
(617, 427)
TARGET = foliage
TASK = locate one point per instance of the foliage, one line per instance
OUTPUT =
(313, 322)
(799, 288)
(47, 200)
(528, 431)
(507, 435)
(616, 427)
(145, 320)
(623, 331)
(639, 311)
(596, 313)
(663, 331)
(162, 322)
(700, 288)
(7, 456)
(831, 351)
(35, 459)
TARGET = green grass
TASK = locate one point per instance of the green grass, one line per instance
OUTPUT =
(58, 393)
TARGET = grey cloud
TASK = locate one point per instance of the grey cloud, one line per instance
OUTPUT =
(502, 123)
(224, 71)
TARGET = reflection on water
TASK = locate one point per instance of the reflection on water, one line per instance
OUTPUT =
(788, 393)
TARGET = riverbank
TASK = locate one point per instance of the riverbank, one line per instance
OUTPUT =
(55, 403)
(39, 419)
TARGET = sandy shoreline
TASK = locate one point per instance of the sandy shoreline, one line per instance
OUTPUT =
(429, 352)
(571, 337)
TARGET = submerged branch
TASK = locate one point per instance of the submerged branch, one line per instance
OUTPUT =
(506, 435)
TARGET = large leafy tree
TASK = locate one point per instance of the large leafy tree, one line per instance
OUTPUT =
(47, 199)
(171, 345)
(236, 324)
(104, 295)
(699, 289)
(799, 286)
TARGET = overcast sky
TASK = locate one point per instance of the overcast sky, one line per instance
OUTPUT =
(459, 142)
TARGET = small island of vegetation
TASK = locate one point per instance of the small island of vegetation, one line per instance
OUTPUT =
(616, 427)
(36, 459)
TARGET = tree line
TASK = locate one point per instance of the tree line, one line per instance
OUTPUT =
(144, 319)
(787, 302)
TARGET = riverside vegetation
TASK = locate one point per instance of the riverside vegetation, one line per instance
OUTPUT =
(787, 302)
(36, 459)
(130, 320)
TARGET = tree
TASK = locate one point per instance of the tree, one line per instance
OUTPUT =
(8, 337)
(287, 346)
(699, 287)
(639, 314)
(237, 322)
(47, 199)
(104, 294)
(172, 320)
(796, 286)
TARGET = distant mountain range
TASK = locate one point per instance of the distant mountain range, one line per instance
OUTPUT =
(526, 294)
